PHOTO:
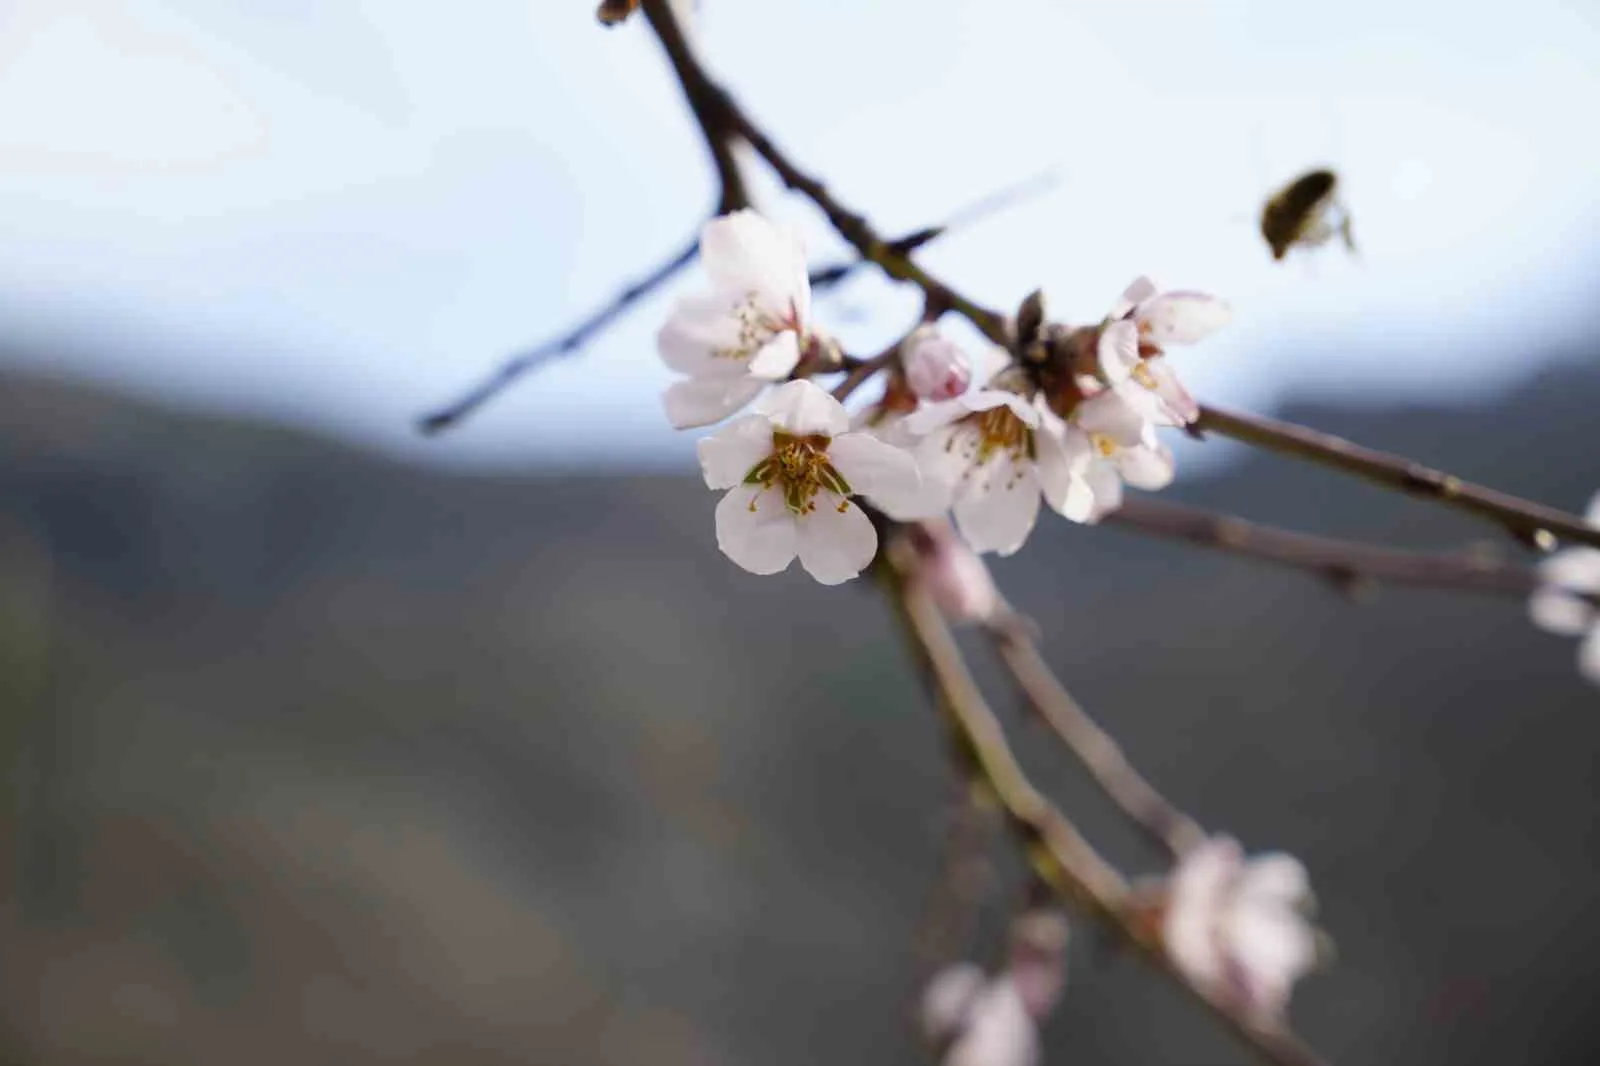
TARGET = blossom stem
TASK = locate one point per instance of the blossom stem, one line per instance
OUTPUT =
(1346, 563)
(1532, 523)
(1170, 828)
(1054, 848)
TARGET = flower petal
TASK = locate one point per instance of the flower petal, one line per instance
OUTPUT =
(874, 468)
(1276, 878)
(746, 254)
(1062, 457)
(755, 529)
(702, 401)
(1111, 414)
(1106, 485)
(801, 408)
(777, 357)
(1577, 569)
(949, 998)
(702, 329)
(998, 507)
(1557, 611)
(730, 454)
(836, 541)
(1149, 466)
(1180, 407)
(1117, 351)
(1589, 656)
(1138, 291)
(1181, 317)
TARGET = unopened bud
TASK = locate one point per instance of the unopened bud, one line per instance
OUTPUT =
(954, 575)
(1037, 958)
(936, 368)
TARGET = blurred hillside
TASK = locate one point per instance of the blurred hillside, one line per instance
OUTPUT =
(318, 758)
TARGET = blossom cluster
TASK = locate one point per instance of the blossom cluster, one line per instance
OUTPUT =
(979, 436)
(1565, 602)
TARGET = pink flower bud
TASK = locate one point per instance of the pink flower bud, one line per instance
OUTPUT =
(935, 368)
(952, 572)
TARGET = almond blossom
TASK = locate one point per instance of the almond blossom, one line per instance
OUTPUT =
(953, 573)
(975, 1020)
(988, 456)
(1113, 442)
(791, 469)
(1560, 606)
(751, 329)
(1129, 351)
(1238, 928)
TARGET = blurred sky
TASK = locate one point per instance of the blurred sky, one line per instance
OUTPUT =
(342, 212)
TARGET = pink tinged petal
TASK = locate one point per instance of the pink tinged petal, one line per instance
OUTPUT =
(1180, 407)
(702, 401)
(777, 357)
(836, 541)
(948, 999)
(936, 368)
(1275, 878)
(1138, 291)
(1269, 948)
(999, 1031)
(746, 254)
(959, 581)
(1589, 656)
(1062, 457)
(1149, 466)
(756, 530)
(730, 454)
(1196, 894)
(1181, 317)
(1117, 351)
(801, 408)
(875, 469)
(997, 511)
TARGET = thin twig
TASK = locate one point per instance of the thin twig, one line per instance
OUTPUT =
(1170, 828)
(566, 344)
(720, 115)
(1056, 851)
(1532, 523)
(1344, 562)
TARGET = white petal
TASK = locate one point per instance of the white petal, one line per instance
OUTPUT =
(1110, 413)
(1592, 515)
(1106, 485)
(1180, 407)
(1149, 466)
(948, 999)
(1557, 611)
(999, 1031)
(755, 529)
(730, 454)
(1196, 893)
(837, 540)
(998, 508)
(702, 401)
(777, 357)
(744, 253)
(874, 468)
(1117, 351)
(1577, 569)
(990, 360)
(1062, 456)
(1276, 878)
(1270, 948)
(799, 407)
(701, 326)
(1181, 317)
(1138, 291)
(1589, 656)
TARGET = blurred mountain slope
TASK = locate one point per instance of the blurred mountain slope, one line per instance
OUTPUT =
(318, 757)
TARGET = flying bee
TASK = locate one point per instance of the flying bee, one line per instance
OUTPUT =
(1307, 212)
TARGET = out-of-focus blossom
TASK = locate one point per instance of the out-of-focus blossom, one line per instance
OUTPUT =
(1113, 442)
(791, 469)
(953, 573)
(1238, 928)
(1559, 606)
(752, 329)
(936, 368)
(972, 1019)
(988, 456)
(1130, 354)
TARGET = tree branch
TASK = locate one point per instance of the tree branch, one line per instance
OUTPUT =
(1532, 523)
(1056, 851)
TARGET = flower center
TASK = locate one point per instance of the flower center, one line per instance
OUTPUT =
(800, 465)
(1104, 444)
(1141, 373)
(756, 328)
(1000, 430)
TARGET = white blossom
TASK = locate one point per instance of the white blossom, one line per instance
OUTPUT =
(978, 1021)
(1559, 606)
(1130, 352)
(791, 469)
(936, 368)
(1238, 928)
(1111, 442)
(751, 329)
(988, 456)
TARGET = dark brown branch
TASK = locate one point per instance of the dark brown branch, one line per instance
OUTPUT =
(719, 115)
(704, 101)
(1343, 562)
(1056, 851)
(1532, 523)
(1170, 829)
(566, 344)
